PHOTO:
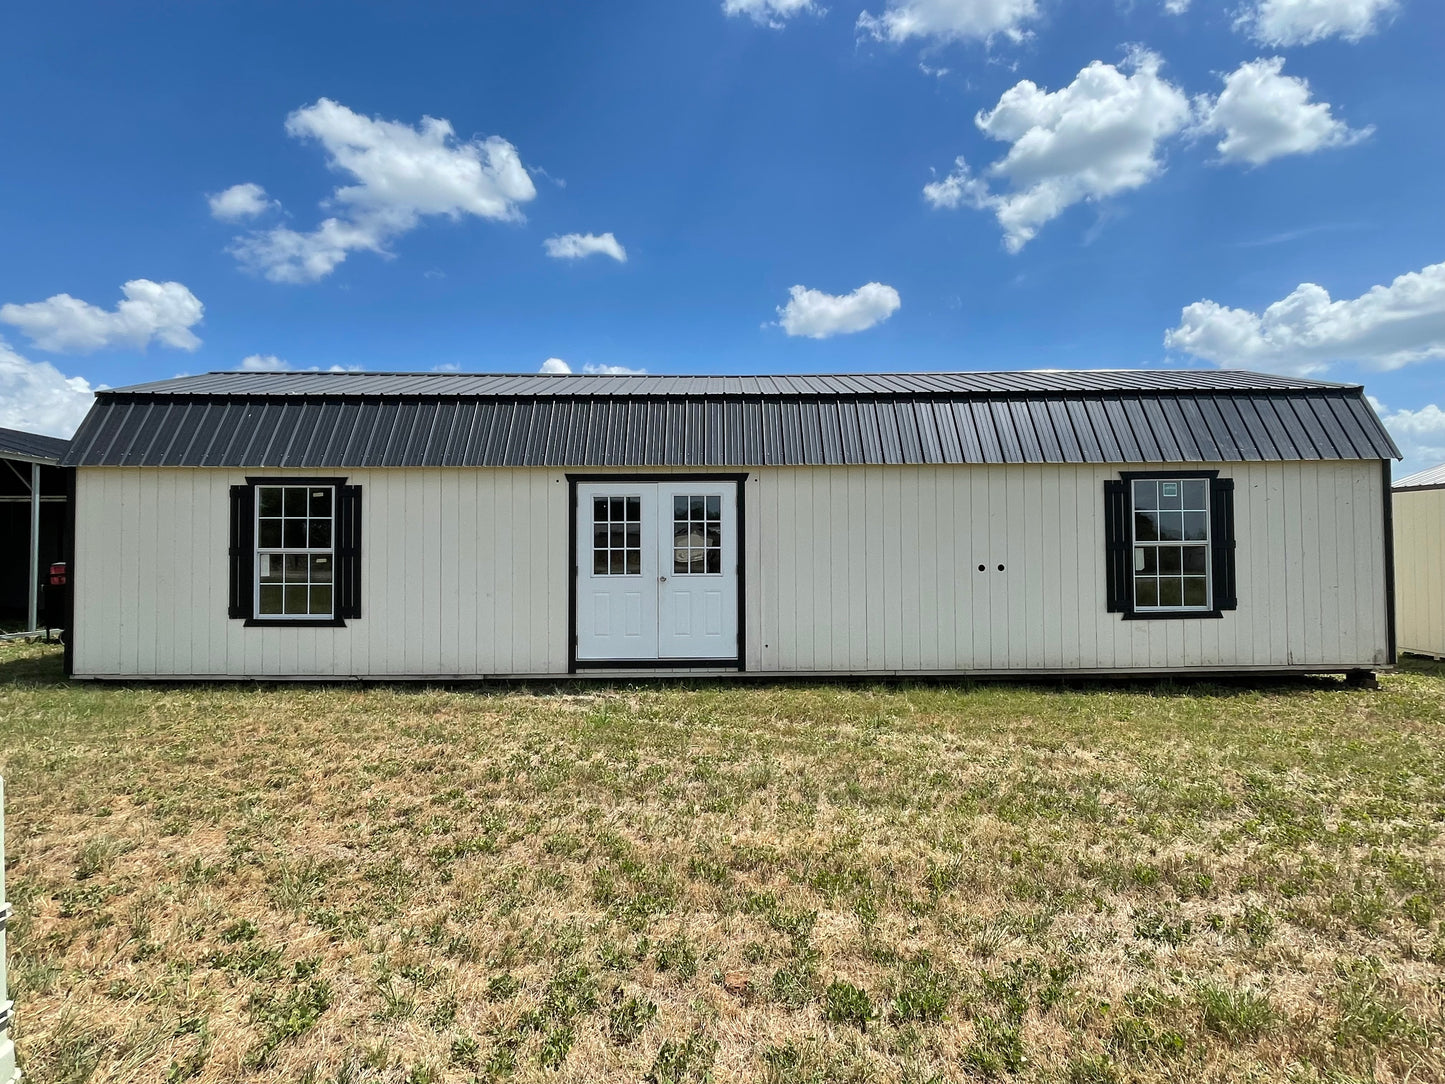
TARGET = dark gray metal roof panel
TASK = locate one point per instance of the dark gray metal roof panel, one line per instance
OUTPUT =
(532, 385)
(721, 427)
(32, 447)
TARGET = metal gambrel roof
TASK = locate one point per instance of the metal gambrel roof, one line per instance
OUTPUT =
(32, 447)
(1434, 478)
(628, 385)
(338, 420)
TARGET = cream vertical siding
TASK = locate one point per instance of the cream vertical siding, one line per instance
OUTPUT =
(463, 574)
(875, 569)
(848, 569)
(1420, 571)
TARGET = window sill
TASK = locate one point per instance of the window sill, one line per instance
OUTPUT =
(287, 623)
(1169, 615)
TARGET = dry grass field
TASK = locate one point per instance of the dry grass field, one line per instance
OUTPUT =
(776, 883)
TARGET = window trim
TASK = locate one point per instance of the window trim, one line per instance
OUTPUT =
(284, 551)
(274, 622)
(1129, 612)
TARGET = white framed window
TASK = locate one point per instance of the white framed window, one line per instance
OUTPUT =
(1171, 545)
(617, 536)
(697, 535)
(295, 552)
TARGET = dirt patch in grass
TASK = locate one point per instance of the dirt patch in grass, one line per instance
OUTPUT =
(791, 883)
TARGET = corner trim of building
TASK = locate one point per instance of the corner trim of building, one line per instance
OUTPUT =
(1387, 501)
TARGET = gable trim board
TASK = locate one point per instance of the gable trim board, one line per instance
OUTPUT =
(885, 524)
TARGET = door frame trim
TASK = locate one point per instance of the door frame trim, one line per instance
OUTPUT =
(573, 480)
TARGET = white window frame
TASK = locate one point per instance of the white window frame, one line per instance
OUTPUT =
(1135, 546)
(282, 552)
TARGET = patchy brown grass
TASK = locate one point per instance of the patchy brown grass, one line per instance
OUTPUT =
(776, 883)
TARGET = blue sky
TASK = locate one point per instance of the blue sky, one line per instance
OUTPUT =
(779, 182)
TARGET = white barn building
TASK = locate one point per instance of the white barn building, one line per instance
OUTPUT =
(371, 525)
(1420, 559)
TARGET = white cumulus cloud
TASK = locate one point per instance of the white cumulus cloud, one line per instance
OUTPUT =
(1420, 435)
(1263, 114)
(818, 315)
(1303, 22)
(1098, 136)
(402, 174)
(574, 246)
(950, 19)
(1384, 328)
(160, 311)
(772, 13)
(240, 201)
(1176, 7)
(557, 365)
(264, 363)
(270, 363)
(38, 398)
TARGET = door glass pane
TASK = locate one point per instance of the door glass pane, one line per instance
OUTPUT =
(697, 535)
(617, 536)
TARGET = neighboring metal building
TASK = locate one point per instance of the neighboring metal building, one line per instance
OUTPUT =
(1420, 560)
(446, 525)
(33, 523)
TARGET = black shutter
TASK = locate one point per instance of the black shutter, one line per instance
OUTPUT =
(1221, 542)
(1116, 546)
(242, 552)
(348, 551)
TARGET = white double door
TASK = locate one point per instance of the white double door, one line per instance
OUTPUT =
(657, 570)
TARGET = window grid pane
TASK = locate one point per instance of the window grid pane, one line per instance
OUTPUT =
(617, 536)
(1171, 543)
(697, 535)
(295, 561)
